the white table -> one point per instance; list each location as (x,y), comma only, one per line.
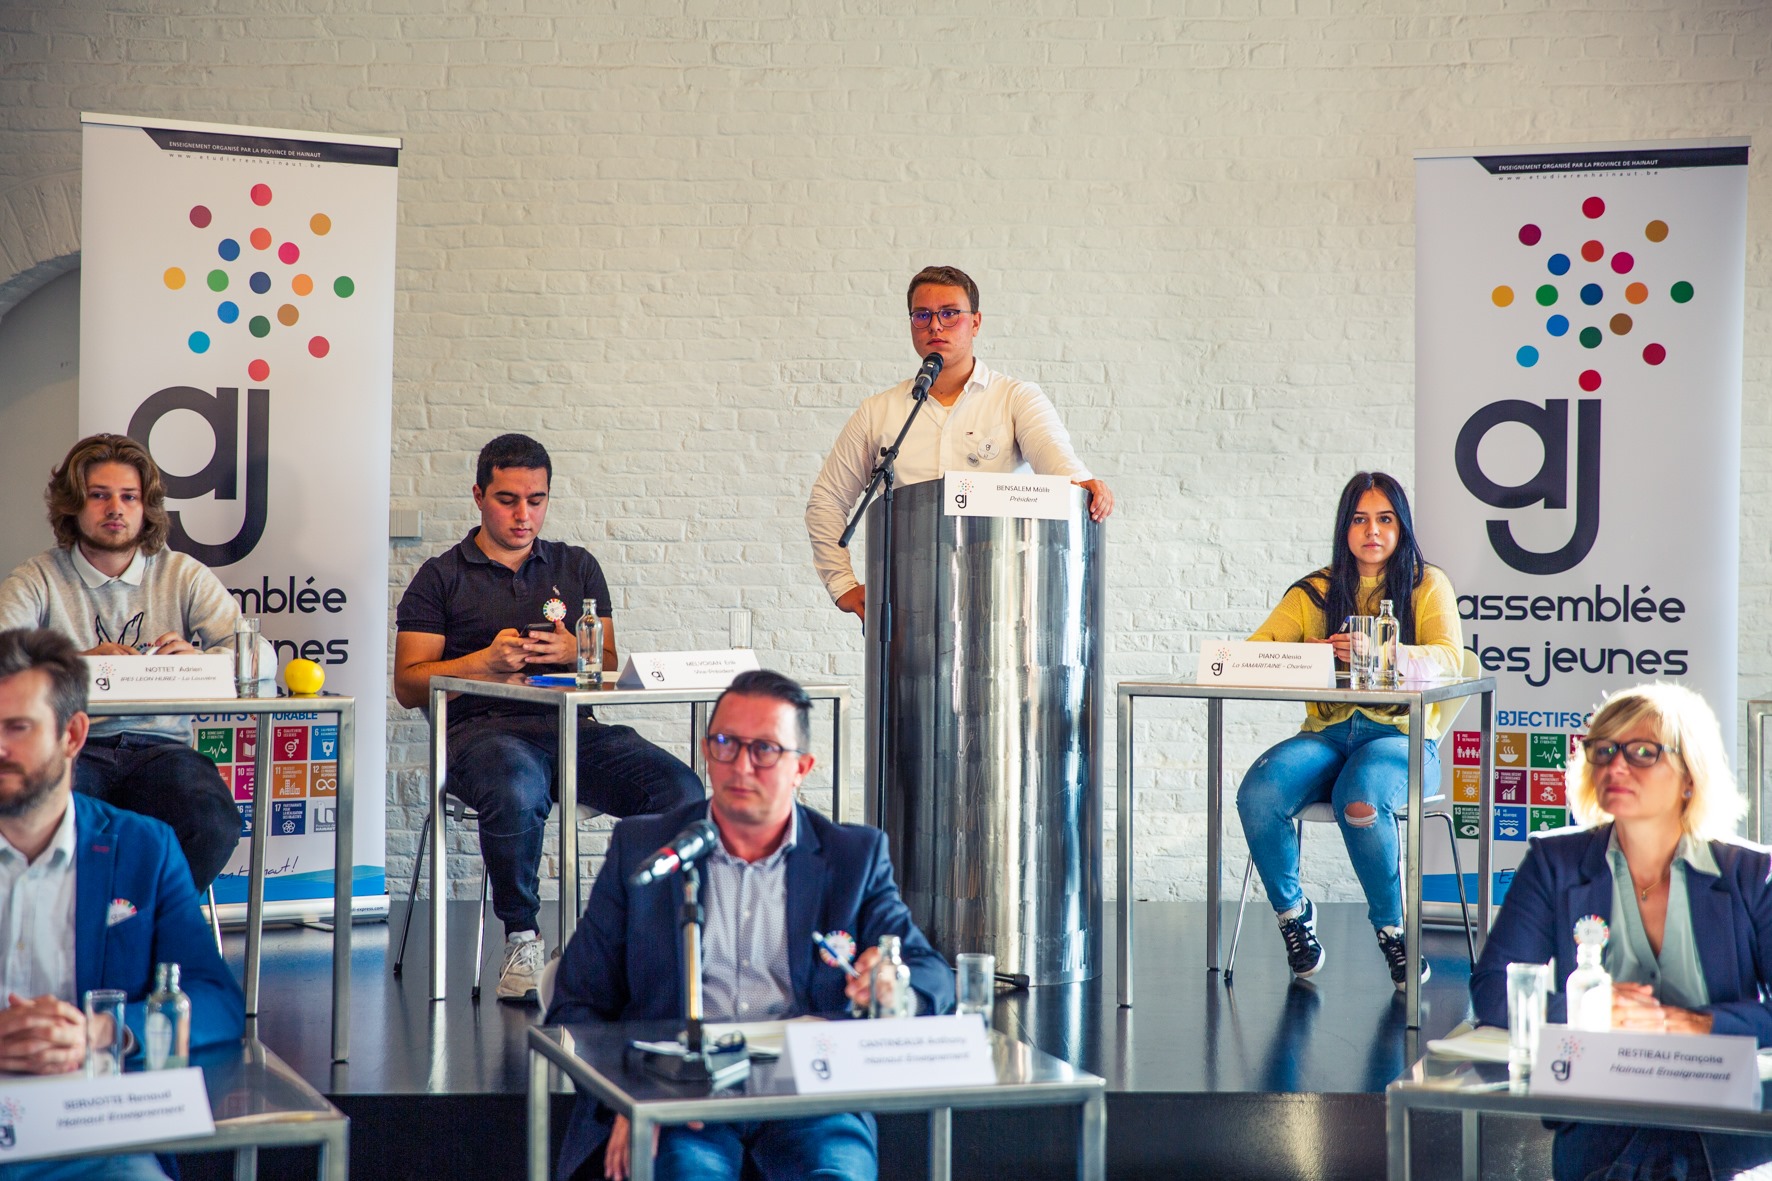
(1472,1089)
(343,839)
(594,1058)
(1413,697)
(567,701)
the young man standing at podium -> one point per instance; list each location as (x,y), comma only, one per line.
(504,602)
(778,873)
(974,420)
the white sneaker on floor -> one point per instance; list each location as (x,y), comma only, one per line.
(519,980)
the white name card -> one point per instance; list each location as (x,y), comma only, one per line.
(685,670)
(39,1116)
(900,1054)
(1267,666)
(1696,1070)
(160,678)
(1006,494)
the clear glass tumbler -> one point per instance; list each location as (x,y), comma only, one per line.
(1362,652)
(975,983)
(1527,987)
(246,656)
(105,1032)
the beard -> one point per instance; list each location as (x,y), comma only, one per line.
(36,784)
(111,545)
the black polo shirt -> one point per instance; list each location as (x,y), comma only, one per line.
(467,598)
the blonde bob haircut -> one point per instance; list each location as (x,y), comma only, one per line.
(1682,721)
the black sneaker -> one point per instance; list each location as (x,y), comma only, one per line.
(1303,953)
(1396,955)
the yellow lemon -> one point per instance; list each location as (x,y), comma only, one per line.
(303,677)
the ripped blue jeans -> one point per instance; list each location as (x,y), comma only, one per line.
(1358,761)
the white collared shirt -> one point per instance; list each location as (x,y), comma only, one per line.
(997,424)
(37,917)
(745,973)
(94,578)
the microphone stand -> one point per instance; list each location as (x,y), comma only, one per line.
(718,1066)
(883,479)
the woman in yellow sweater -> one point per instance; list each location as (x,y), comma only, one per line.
(1355,757)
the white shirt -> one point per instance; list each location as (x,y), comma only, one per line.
(997,424)
(37,917)
(744,956)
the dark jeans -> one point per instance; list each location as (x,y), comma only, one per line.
(1613,1152)
(503,768)
(825,1148)
(166,779)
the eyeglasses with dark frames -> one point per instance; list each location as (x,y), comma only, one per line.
(946,317)
(724,748)
(1637,754)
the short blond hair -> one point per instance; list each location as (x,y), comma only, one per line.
(1683,722)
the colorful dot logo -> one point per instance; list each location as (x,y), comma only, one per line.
(1590,272)
(265,295)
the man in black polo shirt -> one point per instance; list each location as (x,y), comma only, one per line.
(466,614)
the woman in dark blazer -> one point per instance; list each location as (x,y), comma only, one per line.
(1689,906)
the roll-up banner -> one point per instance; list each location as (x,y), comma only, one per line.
(1578,354)
(237,318)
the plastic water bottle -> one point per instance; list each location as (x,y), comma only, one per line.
(590,646)
(1589,988)
(1385,635)
(169,1022)
(891,983)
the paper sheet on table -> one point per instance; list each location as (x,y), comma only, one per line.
(764,1039)
(1488,1043)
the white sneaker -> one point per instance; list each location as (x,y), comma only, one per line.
(520,978)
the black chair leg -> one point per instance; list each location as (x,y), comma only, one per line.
(418,869)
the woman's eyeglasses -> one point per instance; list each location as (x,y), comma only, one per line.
(1637,754)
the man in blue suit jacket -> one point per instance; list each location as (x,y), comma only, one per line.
(95,896)
(780,873)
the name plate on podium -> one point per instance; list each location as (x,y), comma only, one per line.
(45,1115)
(160,678)
(1694,1070)
(1006,494)
(899,1054)
(1267,665)
(685,670)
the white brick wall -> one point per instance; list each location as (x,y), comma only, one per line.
(670,237)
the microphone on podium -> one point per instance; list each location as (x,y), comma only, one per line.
(926,376)
(687,847)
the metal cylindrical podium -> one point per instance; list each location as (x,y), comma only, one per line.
(993,798)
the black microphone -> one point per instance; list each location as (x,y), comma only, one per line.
(688,846)
(926,376)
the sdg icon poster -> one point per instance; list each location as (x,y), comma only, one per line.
(1578,361)
(303,797)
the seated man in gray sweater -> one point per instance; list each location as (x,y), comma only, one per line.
(112,586)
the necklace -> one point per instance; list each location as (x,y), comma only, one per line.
(1643,891)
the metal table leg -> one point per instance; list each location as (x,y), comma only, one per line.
(343,865)
(1485,817)
(261,840)
(1412,903)
(1214,826)
(1123,822)
(567,761)
(538,1117)
(941,1144)
(439,848)
(1396,1121)
(639,1132)
(1092,1152)
(698,728)
(1473,1148)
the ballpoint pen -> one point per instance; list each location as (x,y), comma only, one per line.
(835,949)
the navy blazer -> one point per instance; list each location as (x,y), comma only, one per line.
(135,906)
(1566,876)
(623,963)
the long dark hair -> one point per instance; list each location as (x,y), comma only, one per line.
(1336,587)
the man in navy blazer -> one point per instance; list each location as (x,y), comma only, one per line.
(95,896)
(780,873)
(1565,876)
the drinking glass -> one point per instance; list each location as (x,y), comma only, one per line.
(104,1057)
(738,626)
(246,656)
(1527,986)
(975,983)
(1362,652)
